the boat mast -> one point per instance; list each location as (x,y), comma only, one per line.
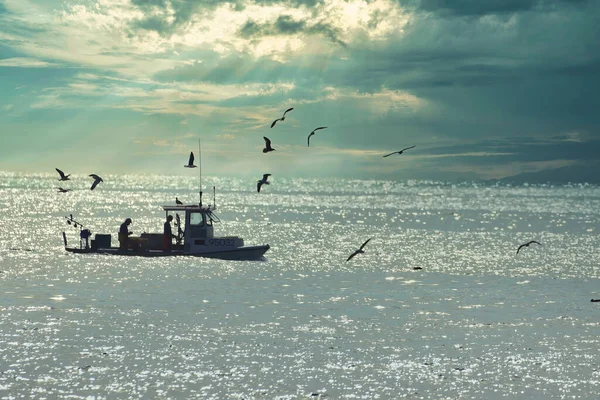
(200,171)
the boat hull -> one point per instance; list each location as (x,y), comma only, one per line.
(245,253)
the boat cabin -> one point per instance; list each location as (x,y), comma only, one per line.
(196,227)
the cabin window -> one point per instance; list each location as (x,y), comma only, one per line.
(196,219)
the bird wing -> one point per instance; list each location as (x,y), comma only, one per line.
(365,243)
(387,155)
(265,176)
(408,148)
(96,182)
(286,111)
(96,177)
(520,247)
(62,174)
(258,185)
(321,127)
(352,255)
(308,140)
(191,161)
(267,142)
(274,122)
(533,241)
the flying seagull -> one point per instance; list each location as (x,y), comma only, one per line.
(263,181)
(268,147)
(178,202)
(97,180)
(399,152)
(191,161)
(61,190)
(359,251)
(527,245)
(313,132)
(63,177)
(282,118)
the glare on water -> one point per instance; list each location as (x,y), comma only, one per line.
(476,321)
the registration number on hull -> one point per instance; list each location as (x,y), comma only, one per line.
(221,242)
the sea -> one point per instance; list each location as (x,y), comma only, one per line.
(439,305)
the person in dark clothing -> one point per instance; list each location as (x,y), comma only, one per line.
(168,235)
(124,234)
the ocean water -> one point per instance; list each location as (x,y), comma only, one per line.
(476,321)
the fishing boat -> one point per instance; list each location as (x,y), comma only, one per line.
(195,237)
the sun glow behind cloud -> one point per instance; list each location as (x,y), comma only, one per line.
(108,34)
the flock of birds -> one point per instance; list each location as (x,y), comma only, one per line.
(264,181)
(65,177)
(268,146)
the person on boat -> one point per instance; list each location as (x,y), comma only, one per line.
(168,235)
(124,233)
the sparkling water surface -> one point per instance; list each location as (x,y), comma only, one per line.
(476,321)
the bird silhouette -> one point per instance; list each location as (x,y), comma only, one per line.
(178,202)
(61,190)
(282,118)
(399,152)
(97,180)
(527,245)
(190,163)
(268,147)
(63,177)
(313,132)
(359,251)
(263,181)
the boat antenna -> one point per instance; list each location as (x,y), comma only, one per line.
(214,198)
(200,170)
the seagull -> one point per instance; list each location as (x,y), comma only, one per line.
(282,118)
(97,180)
(178,202)
(399,152)
(359,251)
(263,181)
(61,190)
(268,147)
(313,132)
(63,177)
(527,245)
(191,161)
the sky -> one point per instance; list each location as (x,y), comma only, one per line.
(483,89)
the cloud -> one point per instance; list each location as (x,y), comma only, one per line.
(474,84)
(287,25)
(49,101)
(487,7)
(25,62)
